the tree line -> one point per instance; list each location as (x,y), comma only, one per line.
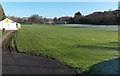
(97,18)
(33,19)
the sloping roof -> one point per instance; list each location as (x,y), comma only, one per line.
(7,20)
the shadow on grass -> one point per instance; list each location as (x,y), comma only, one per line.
(114,42)
(106,67)
(96,47)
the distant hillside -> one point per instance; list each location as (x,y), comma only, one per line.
(97,18)
(107,17)
(2,14)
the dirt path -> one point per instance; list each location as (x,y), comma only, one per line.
(18,63)
(6,40)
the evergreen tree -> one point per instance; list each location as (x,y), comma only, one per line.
(2,14)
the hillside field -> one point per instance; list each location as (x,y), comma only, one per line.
(80,49)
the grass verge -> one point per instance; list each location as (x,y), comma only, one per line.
(77,48)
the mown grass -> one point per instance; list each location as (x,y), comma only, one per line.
(77,48)
(0,33)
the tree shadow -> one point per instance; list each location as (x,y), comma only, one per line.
(97,47)
(106,67)
(113,43)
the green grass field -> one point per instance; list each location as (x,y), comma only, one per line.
(77,48)
(0,33)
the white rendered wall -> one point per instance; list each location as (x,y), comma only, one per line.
(8,26)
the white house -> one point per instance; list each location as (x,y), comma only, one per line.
(8,24)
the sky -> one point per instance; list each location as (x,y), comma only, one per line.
(55,9)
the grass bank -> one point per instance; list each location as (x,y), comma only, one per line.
(77,48)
